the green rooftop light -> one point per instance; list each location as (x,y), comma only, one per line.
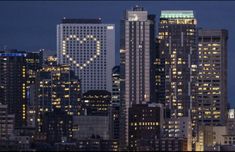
(177,14)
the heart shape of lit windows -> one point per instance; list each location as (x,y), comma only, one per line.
(81,41)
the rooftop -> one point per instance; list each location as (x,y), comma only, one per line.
(81,21)
(177,14)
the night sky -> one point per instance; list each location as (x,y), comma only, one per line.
(31,26)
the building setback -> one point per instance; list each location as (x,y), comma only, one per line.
(212,79)
(88,46)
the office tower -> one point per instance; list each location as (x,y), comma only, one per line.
(57,87)
(230,124)
(116,84)
(114,109)
(34,62)
(145,123)
(212,78)
(88,46)
(57,125)
(114,118)
(96,103)
(6,124)
(137,44)
(210,137)
(17,74)
(180,127)
(178,61)
(13,81)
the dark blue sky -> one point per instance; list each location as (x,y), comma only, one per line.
(31,25)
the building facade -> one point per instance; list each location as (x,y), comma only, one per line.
(57,87)
(13,81)
(115,108)
(180,127)
(137,44)
(145,124)
(116,84)
(96,103)
(57,126)
(86,127)
(88,46)
(178,60)
(171,144)
(212,78)
(6,124)
(114,118)
(230,124)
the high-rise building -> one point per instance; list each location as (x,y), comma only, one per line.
(57,125)
(212,79)
(145,124)
(57,87)
(88,46)
(137,44)
(34,62)
(230,124)
(114,118)
(6,124)
(96,103)
(210,136)
(13,81)
(116,84)
(17,73)
(114,109)
(180,127)
(177,61)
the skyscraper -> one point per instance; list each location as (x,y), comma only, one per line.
(212,78)
(178,61)
(34,62)
(13,77)
(96,102)
(116,84)
(57,125)
(88,46)
(137,44)
(57,87)
(114,110)
(6,124)
(145,123)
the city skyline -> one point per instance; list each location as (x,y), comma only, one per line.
(25,35)
(117,76)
